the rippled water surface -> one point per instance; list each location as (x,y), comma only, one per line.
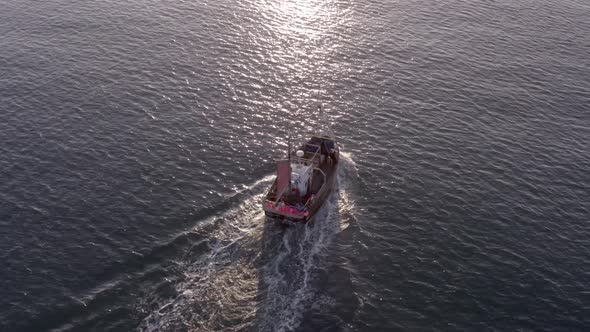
(137,138)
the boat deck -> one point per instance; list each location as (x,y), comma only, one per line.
(324,168)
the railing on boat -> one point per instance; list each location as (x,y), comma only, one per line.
(322,189)
(313,161)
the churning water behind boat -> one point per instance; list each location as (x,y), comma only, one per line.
(258,274)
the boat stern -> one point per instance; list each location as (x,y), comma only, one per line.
(283,211)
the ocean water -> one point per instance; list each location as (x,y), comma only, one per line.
(137,138)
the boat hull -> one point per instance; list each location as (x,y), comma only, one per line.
(330,170)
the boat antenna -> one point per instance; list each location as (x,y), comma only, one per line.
(324,122)
(289,158)
(289,147)
(321,117)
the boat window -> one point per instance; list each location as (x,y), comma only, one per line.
(329,144)
(311,147)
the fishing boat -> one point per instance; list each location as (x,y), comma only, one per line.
(304,181)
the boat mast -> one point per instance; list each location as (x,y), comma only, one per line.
(287,188)
(289,158)
(325,128)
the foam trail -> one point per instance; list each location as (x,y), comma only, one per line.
(219,286)
(254,274)
(288,278)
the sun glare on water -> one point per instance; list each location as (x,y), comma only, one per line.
(298,18)
(298,23)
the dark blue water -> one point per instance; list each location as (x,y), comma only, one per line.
(137,138)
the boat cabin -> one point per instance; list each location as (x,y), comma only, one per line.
(301,178)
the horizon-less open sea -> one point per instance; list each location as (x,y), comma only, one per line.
(137,138)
